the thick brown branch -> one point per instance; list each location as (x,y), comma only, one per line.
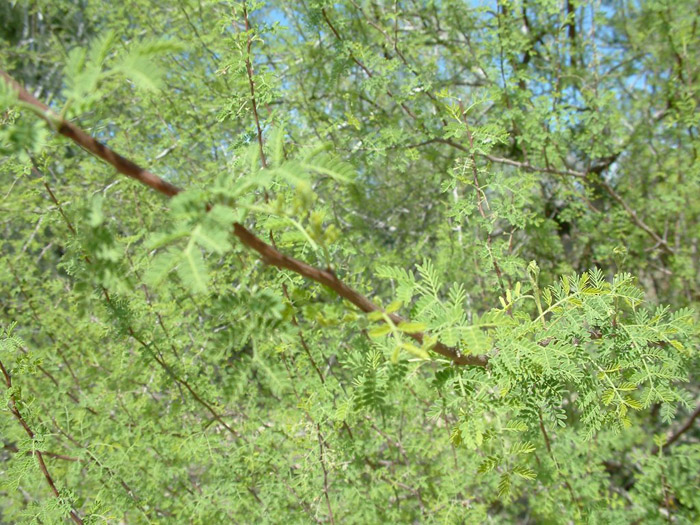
(269,254)
(274,258)
(85,141)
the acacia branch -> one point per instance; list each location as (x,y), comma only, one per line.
(269,254)
(672,438)
(585,175)
(638,221)
(362,66)
(251,83)
(160,360)
(14,409)
(14,448)
(90,144)
(660,241)
(325,473)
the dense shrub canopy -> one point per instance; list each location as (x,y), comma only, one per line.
(424,261)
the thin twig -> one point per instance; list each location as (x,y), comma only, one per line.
(38,454)
(548,445)
(481,197)
(14,448)
(682,430)
(251,83)
(325,472)
(362,66)
(159,359)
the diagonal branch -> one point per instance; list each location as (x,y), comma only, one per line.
(269,254)
(14,410)
(672,438)
(88,143)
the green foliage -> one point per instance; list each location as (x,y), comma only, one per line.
(516,181)
(87,70)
